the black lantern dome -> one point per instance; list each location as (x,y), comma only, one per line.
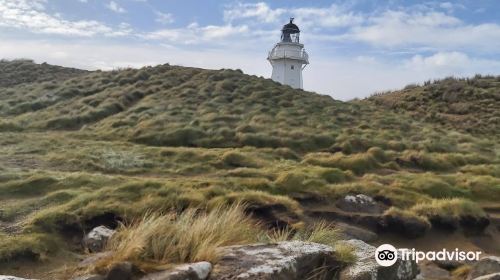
(290,32)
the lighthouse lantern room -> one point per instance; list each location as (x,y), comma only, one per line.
(288,57)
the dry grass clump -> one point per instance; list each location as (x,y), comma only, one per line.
(455,207)
(191,236)
(320,232)
(29,246)
(345,253)
(358,163)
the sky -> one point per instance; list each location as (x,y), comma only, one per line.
(356,48)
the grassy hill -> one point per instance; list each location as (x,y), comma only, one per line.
(22,71)
(98,147)
(466,104)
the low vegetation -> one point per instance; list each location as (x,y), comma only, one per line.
(126,145)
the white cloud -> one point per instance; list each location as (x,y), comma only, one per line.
(194,34)
(113,6)
(431,29)
(327,17)
(442,60)
(31,16)
(164,18)
(256,11)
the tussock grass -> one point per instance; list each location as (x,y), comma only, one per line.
(455,207)
(32,246)
(358,163)
(188,237)
(170,138)
(345,253)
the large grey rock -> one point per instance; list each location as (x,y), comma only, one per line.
(494,276)
(96,239)
(485,266)
(289,260)
(193,271)
(359,203)
(367,268)
(5,277)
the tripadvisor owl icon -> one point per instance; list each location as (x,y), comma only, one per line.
(386,255)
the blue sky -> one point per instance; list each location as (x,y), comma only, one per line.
(356,47)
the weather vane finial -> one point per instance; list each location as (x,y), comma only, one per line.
(291,19)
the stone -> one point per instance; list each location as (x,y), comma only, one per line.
(5,277)
(121,271)
(96,239)
(367,268)
(485,266)
(431,271)
(359,203)
(493,276)
(288,260)
(90,277)
(348,232)
(193,271)
(93,259)
(450,264)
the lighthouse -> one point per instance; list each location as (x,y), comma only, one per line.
(288,57)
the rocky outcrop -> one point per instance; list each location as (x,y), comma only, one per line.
(96,239)
(366,267)
(290,260)
(485,266)
(193,271)
(360,203)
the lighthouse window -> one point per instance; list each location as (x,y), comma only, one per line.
(293,67)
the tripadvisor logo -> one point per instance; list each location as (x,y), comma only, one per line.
(388,255)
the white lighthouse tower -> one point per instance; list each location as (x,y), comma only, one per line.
(288,57)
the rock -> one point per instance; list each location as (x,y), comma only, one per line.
(450,264)
(193,271)
(366,267)
(485,266)
(90,277)
(359,203)
(5,277)
(431,271)
(121,271)
(494,276)
(93,259)
(289,260)
(353,232)
(96,239)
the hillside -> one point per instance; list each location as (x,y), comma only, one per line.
(466,104)
(177,106)
(22,71)
(109,147)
